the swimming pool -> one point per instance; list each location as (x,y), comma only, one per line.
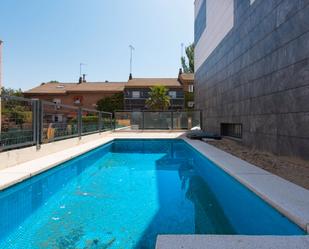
(124,193)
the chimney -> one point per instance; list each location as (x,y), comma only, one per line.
(80,80)
(180,73)
(130,77)
(84,78)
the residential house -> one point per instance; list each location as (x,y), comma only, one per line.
(84,94)
(87,94)
(136,91)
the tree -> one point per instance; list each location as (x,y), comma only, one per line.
(11,92)
(110,104)
(14,110)
(188,68)
(158,98)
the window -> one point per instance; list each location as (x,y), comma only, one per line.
(136,94)
(231,130)
(200,22)
(191,88)
(172,94)
(58,118)
(57,102)
(77,100)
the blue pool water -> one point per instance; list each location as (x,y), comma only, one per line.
(125,193)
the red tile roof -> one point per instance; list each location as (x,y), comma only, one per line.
(148,82)
(63,88)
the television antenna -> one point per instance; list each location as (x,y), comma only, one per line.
(131,57)
(80,68)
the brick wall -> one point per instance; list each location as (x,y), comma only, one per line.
(89,99)
(258,75)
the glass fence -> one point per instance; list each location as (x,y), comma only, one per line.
(157,120)
(26,122)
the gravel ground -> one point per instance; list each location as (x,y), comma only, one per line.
(291,169)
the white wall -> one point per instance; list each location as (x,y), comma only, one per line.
(0,65)
(0,78)
(219,21)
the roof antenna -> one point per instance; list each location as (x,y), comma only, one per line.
(80,68)
(182,45)
(131,60)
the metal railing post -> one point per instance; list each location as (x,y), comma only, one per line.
(115,121)
(172,120)
(100,122)
(112,126)
(79,122)
(143,120)
(36,119)
(201,119)
(40,115)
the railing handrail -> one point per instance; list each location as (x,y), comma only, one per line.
(18,98)
(44,102)
(51,103)
(146,110)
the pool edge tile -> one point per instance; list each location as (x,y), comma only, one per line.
(231,242)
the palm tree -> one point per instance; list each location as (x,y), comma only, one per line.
(158,98)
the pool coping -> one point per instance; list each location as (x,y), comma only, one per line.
(231,242)
(289,198)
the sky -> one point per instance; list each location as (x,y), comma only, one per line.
(47,40)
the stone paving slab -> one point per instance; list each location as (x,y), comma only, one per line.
(231,242)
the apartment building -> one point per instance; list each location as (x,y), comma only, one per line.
(252,72)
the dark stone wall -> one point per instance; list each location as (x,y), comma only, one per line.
(259,76)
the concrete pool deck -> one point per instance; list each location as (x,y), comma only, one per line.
(288,198)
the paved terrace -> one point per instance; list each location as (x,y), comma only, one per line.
(288,198)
